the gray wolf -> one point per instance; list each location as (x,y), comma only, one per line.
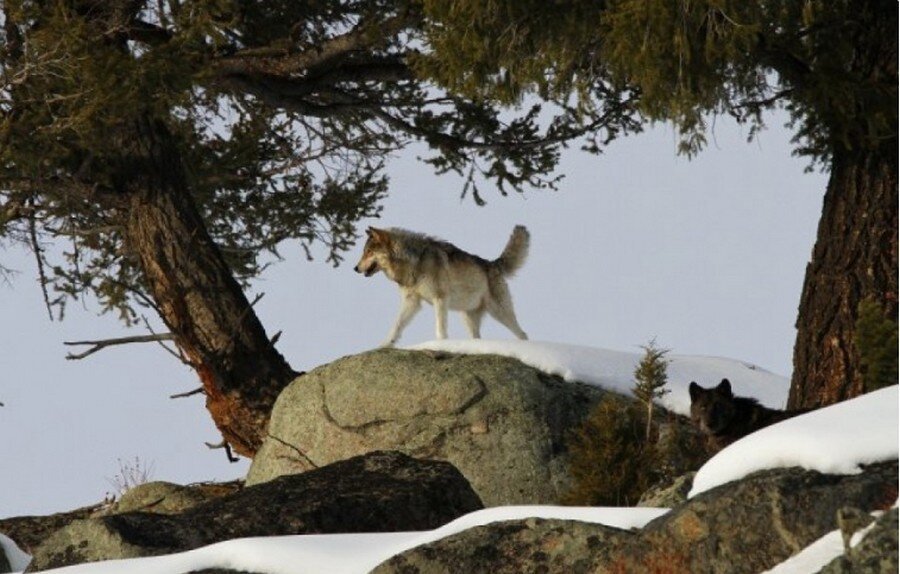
(438,272)
(725,418)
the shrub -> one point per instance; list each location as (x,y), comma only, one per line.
(610,461)
(876,342)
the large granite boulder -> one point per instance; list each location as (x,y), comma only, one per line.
(378,492)
(746,526)
(502,423)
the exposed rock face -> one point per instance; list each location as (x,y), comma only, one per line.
(877,553)
(750,525)
(29,531)
(742,527)
(162,497)
(513,547)
(668,495)
(379,492)
(501,423)
(168,498)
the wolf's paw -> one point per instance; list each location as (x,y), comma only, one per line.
(389,344)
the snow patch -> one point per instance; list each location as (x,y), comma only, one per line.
(614,370)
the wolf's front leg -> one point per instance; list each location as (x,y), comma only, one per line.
(409,306)
(440,318)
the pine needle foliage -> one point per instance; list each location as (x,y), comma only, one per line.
(687,59)
(284,114)
(876,341)
(650,379)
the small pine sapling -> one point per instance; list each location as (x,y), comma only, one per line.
(650,379)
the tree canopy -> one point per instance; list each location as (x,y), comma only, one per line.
(284,114)
(831,64)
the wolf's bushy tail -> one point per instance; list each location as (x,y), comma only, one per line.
(515,252)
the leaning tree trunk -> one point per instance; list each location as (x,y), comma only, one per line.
(196,294)
(855,258)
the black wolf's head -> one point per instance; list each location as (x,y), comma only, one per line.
(712,410)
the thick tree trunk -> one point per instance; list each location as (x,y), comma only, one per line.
(196,294)
(855,257)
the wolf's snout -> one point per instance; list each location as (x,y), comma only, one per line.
(357,269)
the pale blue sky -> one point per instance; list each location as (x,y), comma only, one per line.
(706,255)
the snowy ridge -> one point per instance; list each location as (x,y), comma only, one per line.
(614,370)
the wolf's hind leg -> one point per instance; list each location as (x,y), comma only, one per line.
(409,306)
(500,308)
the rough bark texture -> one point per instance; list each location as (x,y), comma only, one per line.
(197,296)
(855,257)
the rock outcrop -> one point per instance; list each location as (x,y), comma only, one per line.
(168,498)
(29,531)
(502,423)
(875,554)
(378,492)
(513,547)
(670,494)
(742,527)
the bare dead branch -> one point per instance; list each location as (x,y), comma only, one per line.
(38,251)
(103,343)
(196,391)
(174,352)
(224,444)
(279,61)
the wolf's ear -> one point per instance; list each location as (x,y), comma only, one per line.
(724,387)
(380,236)
(695,390)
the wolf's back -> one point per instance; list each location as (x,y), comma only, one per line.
(515,252)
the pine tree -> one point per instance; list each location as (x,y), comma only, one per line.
(170,148)
(650,379)
(831,64)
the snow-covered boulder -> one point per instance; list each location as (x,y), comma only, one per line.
(379,492)
(502,423)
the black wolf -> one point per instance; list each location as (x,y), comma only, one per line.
(725,418)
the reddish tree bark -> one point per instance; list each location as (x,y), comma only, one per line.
(855,257)
(196,294)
